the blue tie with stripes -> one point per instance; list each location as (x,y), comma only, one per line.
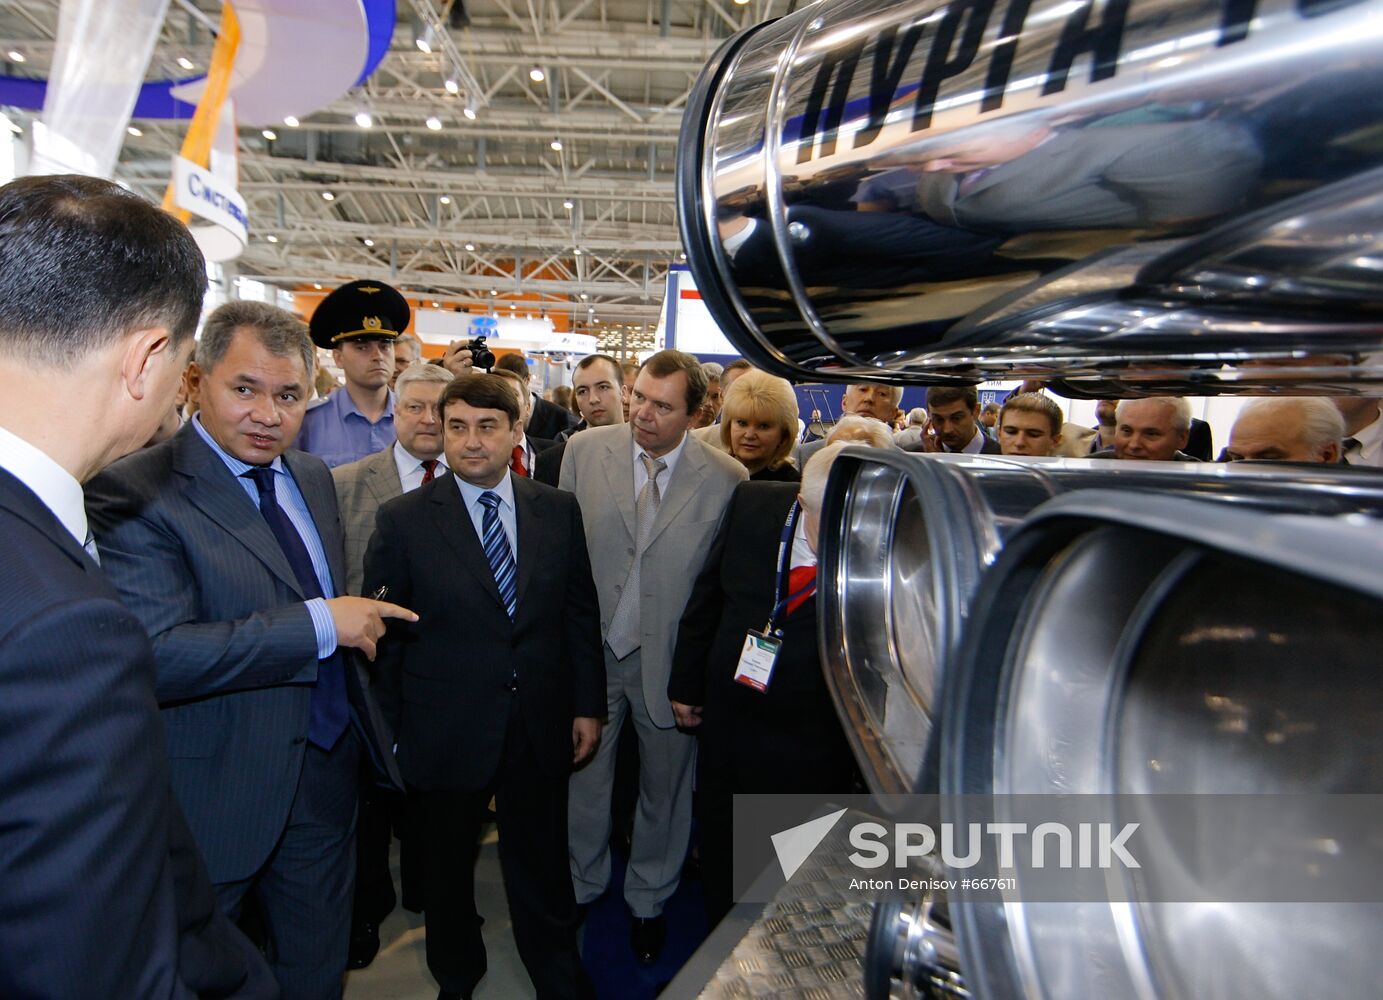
(501,559)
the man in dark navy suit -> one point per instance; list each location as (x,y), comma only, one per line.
(228,547)
(498,690)
(102,892)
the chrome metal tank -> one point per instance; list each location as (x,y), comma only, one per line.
(1124,197)
(1147,649)
(906,537)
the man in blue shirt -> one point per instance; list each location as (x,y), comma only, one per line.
(358,323)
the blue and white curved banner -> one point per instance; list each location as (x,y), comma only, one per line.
(215,200)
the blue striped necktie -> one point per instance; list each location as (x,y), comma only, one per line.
(501,559)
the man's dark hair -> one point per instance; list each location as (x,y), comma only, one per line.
(515,363)
(484,392)
(84,262)
(739,364)
(666,363)
(945,395)
(592,359)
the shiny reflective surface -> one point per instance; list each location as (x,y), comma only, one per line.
(912,951)
(1151,645)
(930,192)
(907,536)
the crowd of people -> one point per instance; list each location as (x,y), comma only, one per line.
(247,637)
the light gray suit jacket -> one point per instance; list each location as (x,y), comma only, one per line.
(361,489)
(599,468)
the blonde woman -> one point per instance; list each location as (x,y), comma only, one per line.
(758,426)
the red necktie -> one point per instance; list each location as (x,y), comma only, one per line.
(800,578)
(429,470)
(516,462)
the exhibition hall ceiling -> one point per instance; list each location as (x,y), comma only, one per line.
(557,194)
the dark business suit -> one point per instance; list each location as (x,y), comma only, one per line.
(549,464)
(484,704)
(102,892)
(236,652)
(548,420)
(783,740)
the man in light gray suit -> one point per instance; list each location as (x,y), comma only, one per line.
(651,498)
(362,488)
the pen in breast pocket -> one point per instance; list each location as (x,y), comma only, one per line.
(380,594)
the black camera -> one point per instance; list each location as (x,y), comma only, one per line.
(481,356)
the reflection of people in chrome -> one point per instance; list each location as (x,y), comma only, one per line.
(1019,177)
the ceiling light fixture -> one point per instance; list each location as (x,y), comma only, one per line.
(470,247)
(269,134)
(469,111)
(567,204)
(15,56)
(291,121)
(317,285)
(369,242)
(584,296)
(536,74)
(328,196)
(556,145)
(494,291)
(134,131)
(452,86)
(186,63)
(577,251)
(434,123)
(436,305)
(363,119)
(445,199)
(271,238)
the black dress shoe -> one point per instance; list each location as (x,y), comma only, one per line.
(647,938)
(449,995)
(364,946)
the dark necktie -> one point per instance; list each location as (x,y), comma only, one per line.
(516,462)
(330,710)
(497,552)
(429,470)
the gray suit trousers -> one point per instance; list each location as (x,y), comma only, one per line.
(662,822)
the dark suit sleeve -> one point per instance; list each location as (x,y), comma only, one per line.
(148,564)
(700,621)
(86,898)
(581,619)
(386,565)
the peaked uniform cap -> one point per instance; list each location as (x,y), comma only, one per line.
(360,309)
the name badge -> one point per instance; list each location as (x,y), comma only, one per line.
(757,658)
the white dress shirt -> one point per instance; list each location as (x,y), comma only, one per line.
(1369,450)
(664,477)
(411,469)
(50,482)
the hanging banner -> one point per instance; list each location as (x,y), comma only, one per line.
(214,199)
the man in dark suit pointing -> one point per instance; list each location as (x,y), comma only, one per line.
(228,547)
(497,690)
(102,892)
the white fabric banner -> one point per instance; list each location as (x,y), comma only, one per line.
(102,54)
